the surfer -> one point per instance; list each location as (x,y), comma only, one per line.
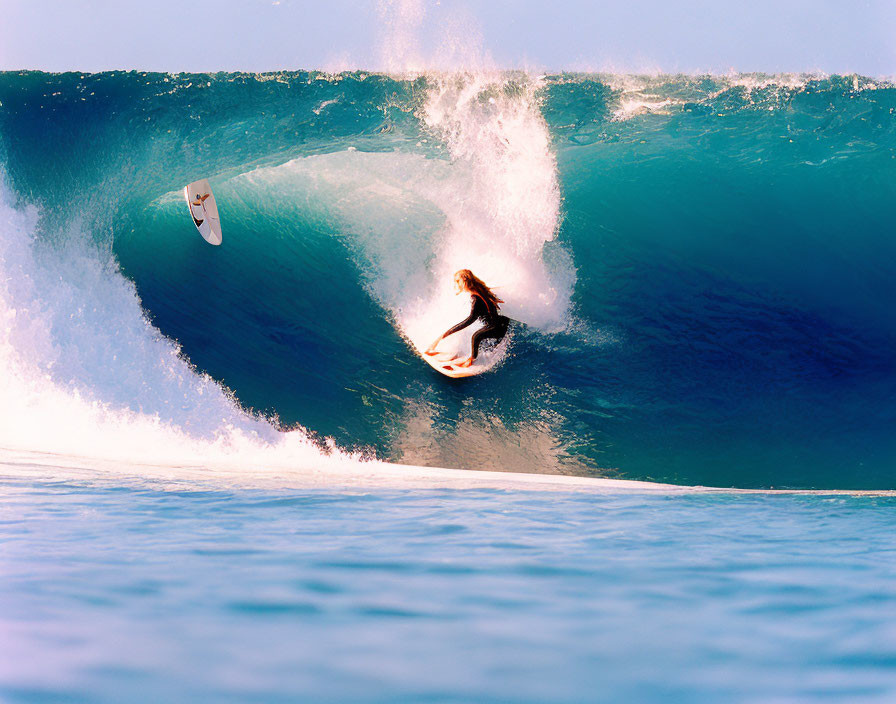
(484,307)
(198,203)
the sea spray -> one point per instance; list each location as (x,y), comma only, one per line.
(501,205)
(510,209)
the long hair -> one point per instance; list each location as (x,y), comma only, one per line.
(477,286)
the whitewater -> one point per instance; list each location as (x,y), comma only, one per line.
(226,474)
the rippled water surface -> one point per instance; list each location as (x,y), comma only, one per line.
(699,267)
(135,592)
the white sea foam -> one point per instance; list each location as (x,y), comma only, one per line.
(83,373)
(638,106)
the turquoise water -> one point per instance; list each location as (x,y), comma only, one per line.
(700,266)
(221,468)
(138,593)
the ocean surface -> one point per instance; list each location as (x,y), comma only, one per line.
(226,474)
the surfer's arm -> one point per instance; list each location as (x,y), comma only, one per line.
(474,313)
(460,326)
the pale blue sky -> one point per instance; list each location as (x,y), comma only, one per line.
(833,36)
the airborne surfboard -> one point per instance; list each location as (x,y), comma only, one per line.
(204,210)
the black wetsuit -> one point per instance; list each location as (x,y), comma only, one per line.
(495,324)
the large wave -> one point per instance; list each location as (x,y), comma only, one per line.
(699,267)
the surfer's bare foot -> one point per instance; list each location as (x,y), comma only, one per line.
(468,362)
(430,352)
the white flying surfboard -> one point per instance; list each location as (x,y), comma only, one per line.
(204,210)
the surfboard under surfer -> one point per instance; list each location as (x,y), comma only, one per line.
(198,203)
(485,307)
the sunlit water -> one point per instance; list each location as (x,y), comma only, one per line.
(132,591)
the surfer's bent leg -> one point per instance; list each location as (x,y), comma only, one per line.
(496,331)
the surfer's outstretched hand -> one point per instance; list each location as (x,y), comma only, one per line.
(431,350)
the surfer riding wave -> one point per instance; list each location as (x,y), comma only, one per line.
(485,307)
